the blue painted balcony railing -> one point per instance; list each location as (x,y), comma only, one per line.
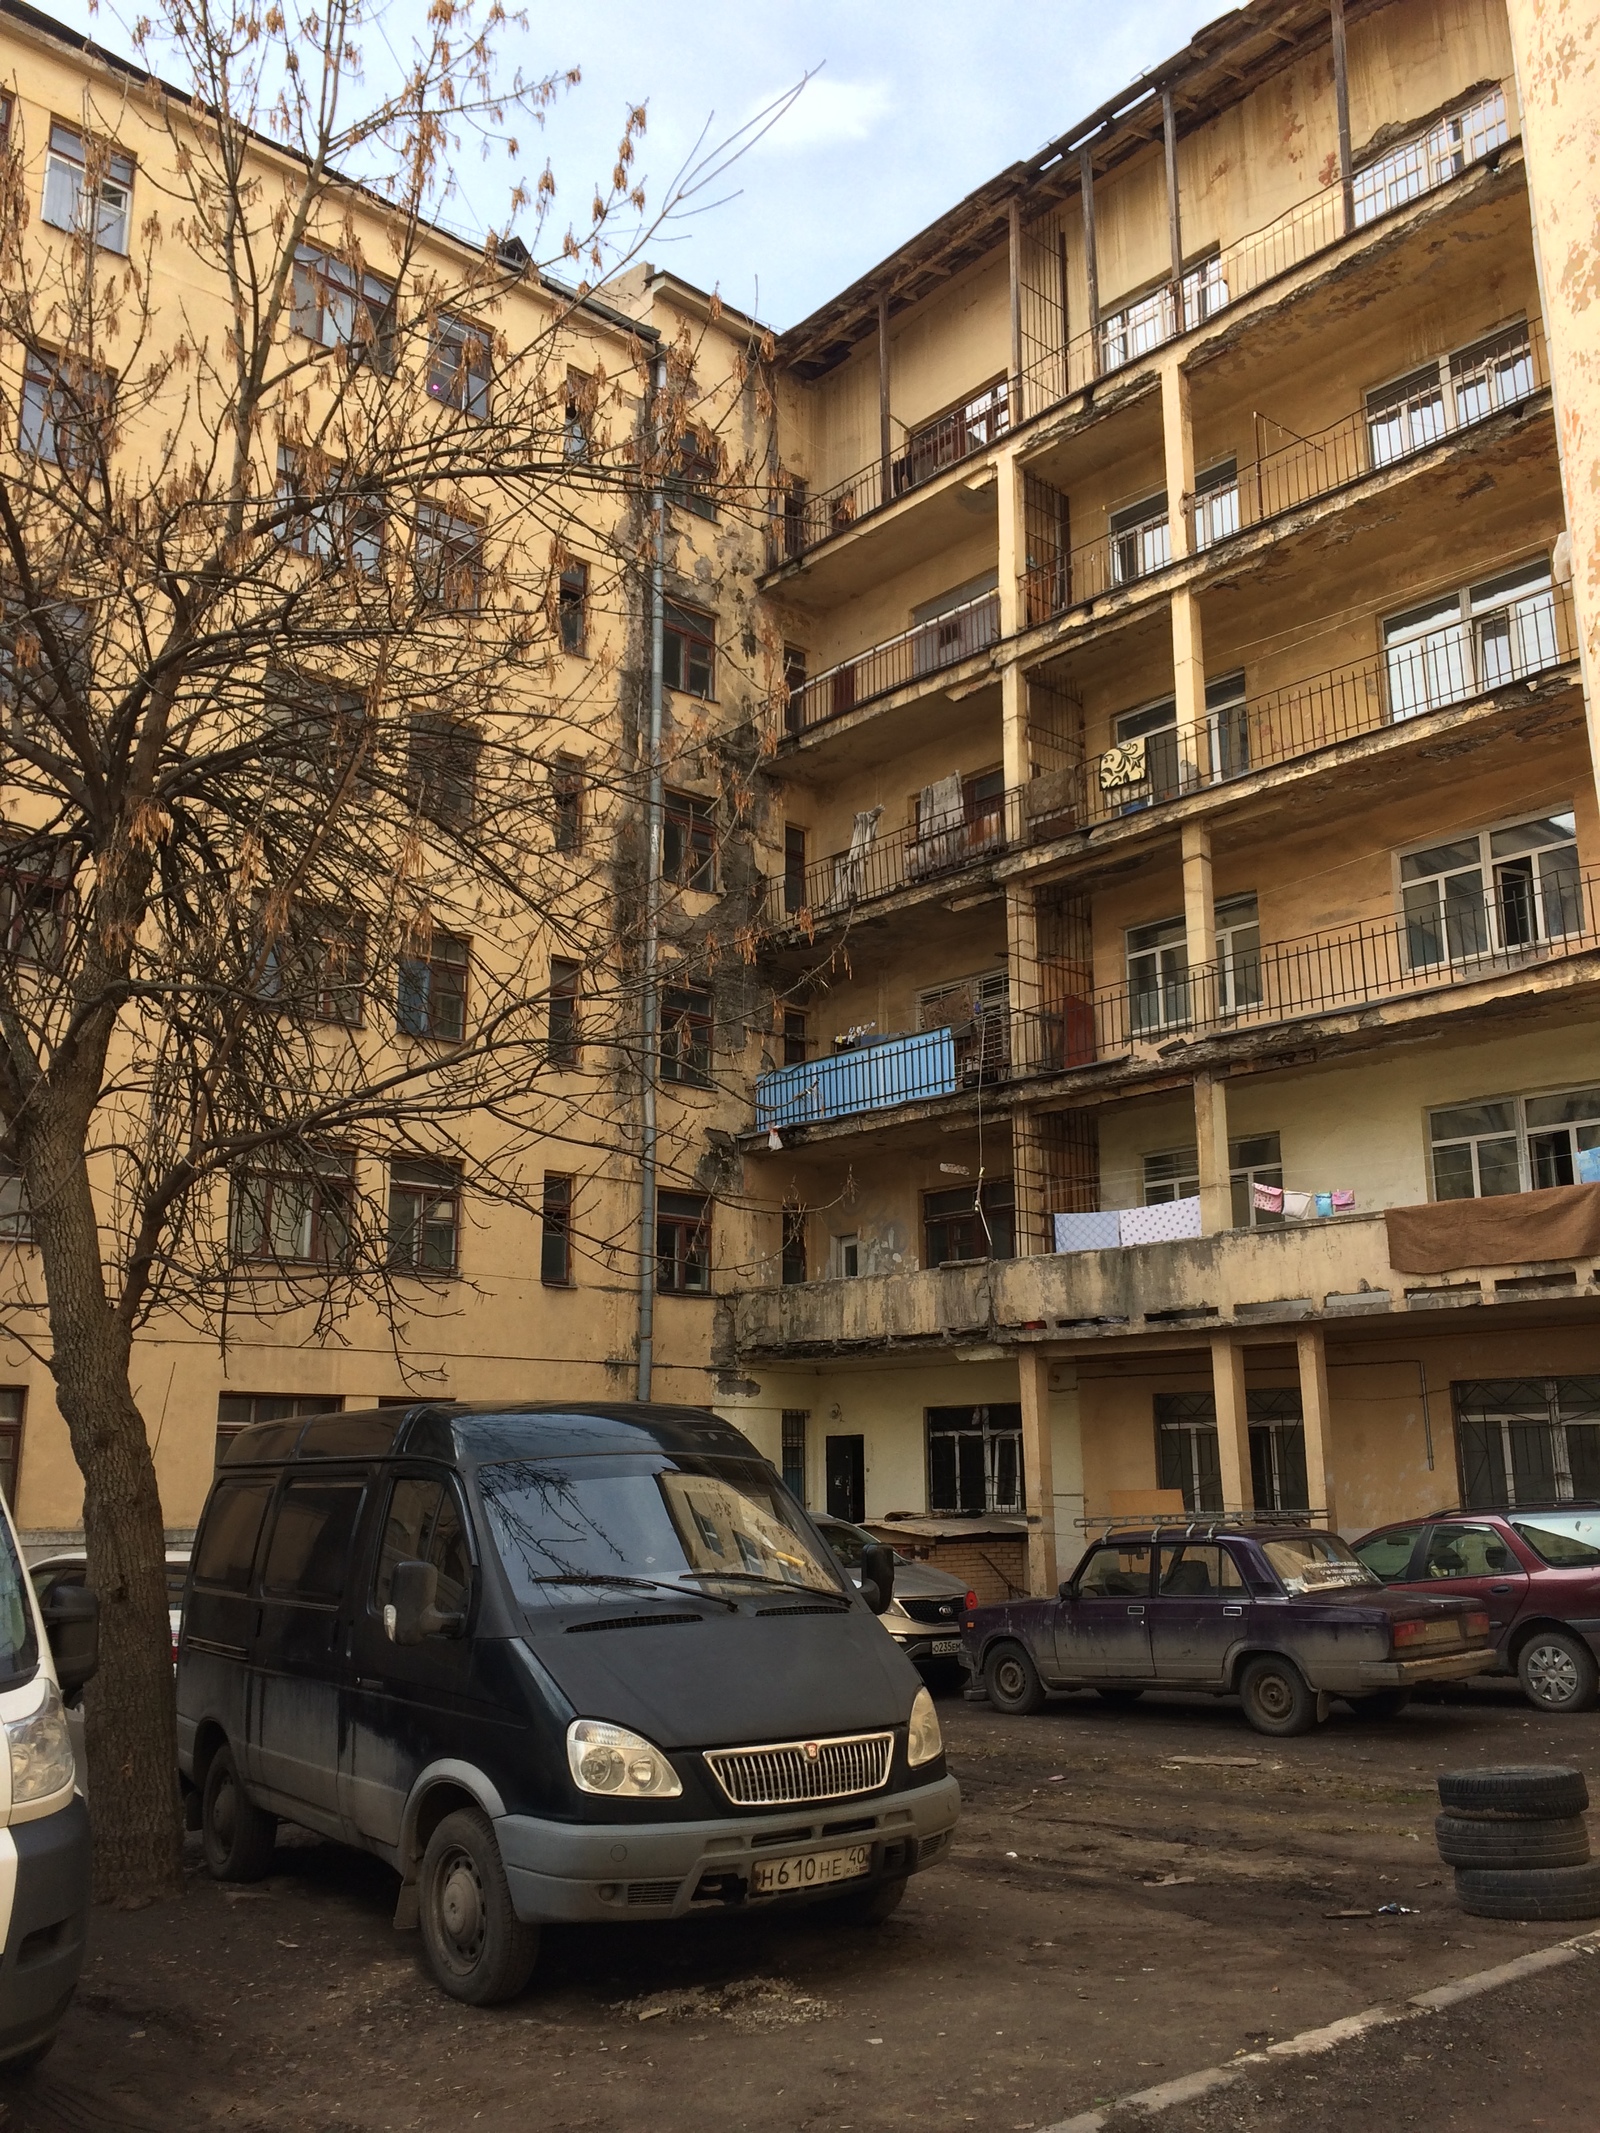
(873,1077)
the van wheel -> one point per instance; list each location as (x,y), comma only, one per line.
(1013,1681)
(478,1949)
(1557,1671)
(237,1836)
(21,2063)
(1275,1697)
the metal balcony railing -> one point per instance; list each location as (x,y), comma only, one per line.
(902,859)
(807,520)
(1419,166)
(914,654)
(1527,917)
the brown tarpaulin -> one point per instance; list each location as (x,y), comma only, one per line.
(1562,1223)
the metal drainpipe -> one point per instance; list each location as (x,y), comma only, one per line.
(650,1017)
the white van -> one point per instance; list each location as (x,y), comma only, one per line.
(44,1825)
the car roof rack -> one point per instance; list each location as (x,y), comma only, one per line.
(1203,1528)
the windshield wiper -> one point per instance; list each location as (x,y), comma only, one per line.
(754,1577)
(612,1577)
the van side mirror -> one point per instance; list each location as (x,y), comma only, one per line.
(411,1613)
(877,1577)
(72,1623)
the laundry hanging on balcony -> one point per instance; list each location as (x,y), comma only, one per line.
(1088,1232)
(941,826)
(850,872)
(1162,1223)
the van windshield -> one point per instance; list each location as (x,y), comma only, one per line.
(19,1647)
(646,1516)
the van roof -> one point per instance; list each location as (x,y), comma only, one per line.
(471,1435)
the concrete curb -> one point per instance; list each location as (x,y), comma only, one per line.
(1187,2087)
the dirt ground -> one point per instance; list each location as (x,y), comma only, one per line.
(1134,1893)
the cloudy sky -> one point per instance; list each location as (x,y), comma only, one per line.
(907,108)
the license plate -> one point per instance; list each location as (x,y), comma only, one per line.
(945,1647)
(810,1870)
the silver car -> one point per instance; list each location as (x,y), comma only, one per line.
(924,1617)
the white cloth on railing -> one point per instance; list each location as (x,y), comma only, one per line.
(850,872)
(1163,1223)
(1088,1233)
(941,824)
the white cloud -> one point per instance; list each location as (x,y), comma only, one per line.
(825,114)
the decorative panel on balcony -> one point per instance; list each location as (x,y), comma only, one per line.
(872,1078)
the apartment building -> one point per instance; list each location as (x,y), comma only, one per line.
(1184,930)
(537,1291)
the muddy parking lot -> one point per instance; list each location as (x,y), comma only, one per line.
(1134,1893)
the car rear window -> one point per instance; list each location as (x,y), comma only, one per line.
(1315,1562)
(1566,1540)
(227,1544)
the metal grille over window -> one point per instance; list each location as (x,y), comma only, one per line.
(796,1771)
(1528,1441)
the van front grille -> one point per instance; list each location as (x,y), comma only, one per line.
(793,1771)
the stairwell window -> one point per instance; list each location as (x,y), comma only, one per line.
(683,1243)
(1492,892)
(689,650)
(1514,1144)
(96,203)
(686,1036)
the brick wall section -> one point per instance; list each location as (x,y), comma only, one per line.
(993,1569)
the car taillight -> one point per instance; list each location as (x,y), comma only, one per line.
(1477,1625)
(1403,1633)
(972,1600)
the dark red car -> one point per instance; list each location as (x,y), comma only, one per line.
(1536,1571)
(1282,1617)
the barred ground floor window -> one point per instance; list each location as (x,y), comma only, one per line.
(1527,1440)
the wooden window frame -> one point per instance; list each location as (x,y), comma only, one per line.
(442,973)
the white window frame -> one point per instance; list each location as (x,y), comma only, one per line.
(1519,1129)
(1500,915)
(65,202)
(1422,405)
(1467,642)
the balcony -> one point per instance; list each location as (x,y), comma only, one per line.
(1137,328)
(1334,1271)
(1445,397)
(807,520)
(1537,914)
(913,656)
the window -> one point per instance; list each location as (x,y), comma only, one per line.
(338,306)
(565,1037)
(226,1549)
(1158,976)
(1238,934)
(1254,1161)
(35,907)
(793,1260)
(1467,1552)
(1527,1441)
(794,868)
(689,841)
(1416,167)
(796,1044)
(1406,414)
(309,1551)
(12,1398)
(296,1213)
(683,1244)
(458,367)
(566,803)
(1493,373)
(689,650)
(794,686)
(318,969)
(448,560)
(686,1035)
(975,1459)
(97,207)
(555,1242)
(578,414)
(1147,321)
(693,483)
(307,527)
(432,998)
(317,731)
(1141,540)
(1117,1570)
(423,1525)
(237,1410)
(572,609)
(442,768)
(1186,1451)
(1491,892)
(1197,1570)
(424,1216)
(1388,1555)
(1512,1144)
(971,1222)
(66,410)
(1171,1174)
(5,122)
(844,1258)
(16,1216)
(1469,643)
(793,1451)
(1216,503)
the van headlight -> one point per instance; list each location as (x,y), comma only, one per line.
(41,1751)
(923,1739)
(620,1764)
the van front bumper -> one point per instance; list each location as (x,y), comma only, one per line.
(45,1934)
(595,1871)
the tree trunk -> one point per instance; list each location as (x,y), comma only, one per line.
(130,1709)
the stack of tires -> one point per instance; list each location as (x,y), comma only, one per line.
(1518,1842)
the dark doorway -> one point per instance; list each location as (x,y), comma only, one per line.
(847,1478)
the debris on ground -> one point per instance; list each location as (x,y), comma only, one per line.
(745,2003)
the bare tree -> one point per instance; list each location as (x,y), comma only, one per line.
(286,555)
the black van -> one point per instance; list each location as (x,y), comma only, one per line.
(553,1663)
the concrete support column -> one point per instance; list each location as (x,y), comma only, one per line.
(885,440)
(1091,265)
(1211,1138)
(1557,54)
(1177,440)
(1189,691)
(1199,923)
(1038,1470)
(1011,554)
(1233,1427)
(1312,1351)
(1014,261)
